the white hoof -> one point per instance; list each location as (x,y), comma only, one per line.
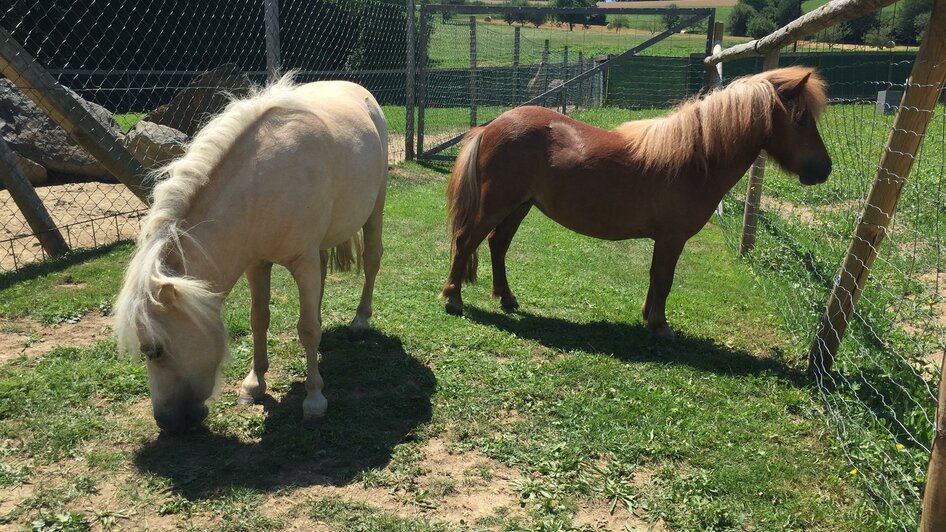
(314,406)
(252,389)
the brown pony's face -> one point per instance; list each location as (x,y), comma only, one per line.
(795,143)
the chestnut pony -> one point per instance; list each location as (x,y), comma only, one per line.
(659,179)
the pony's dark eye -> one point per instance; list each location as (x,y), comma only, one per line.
(152,352)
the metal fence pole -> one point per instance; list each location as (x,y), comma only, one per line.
(565,77)
(472,71)
(409,85)
(422,89)
(515,65)
(271,21)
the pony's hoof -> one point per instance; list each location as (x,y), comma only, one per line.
(245,400)
(314,407)
(453,306)
(358,329)
(664,332)
(509,303)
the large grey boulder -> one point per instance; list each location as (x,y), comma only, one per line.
(203,98)
(153,144)
(32,134)
(31,169)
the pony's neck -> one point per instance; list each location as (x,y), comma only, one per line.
(726,168)
(213,249)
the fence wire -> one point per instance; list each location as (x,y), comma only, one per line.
(152,73)
(881,393)
(476,72)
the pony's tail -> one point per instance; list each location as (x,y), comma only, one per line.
(342,257)
(463,197)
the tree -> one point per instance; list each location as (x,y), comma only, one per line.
(510,18)
(619,21)
(920,23)
(831,35)
(787,11)
(739,18)
(760,25)
(881,37)
(670,19)
(568,18)
(536,19)
(855,31)
(904,29)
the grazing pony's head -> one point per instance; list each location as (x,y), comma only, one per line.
(795,98)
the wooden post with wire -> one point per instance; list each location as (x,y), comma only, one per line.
(916,109)
(750,217)
(473,122)
(934,496)
(35,83)
(26,199)
(409,74)
(271,27)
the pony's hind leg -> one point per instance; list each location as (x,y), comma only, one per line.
(373,249)
(254,386)
(308,275)
(463,267)
(499,241)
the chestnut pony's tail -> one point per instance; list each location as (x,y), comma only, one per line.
(463,197)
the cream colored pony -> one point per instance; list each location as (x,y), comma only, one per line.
(277,178)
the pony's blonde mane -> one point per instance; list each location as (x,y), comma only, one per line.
(712,127)
(178,184)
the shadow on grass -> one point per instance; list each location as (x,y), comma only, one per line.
(634,343)
(39,269)
(378,395)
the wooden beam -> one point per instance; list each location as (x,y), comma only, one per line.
(26,199)
(750,217)
(934,496)
(834,12)
(38,85)
(409,85)
(271,25)
(916,109)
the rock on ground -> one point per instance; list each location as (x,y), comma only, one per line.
(153,144)
(205,97)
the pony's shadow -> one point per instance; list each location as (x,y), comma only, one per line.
(633,342)
(378,395)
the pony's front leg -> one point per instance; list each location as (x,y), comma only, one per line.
(308,276)
(666,254)
(254,385)
(373,249)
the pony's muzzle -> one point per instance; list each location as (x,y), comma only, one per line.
(815,170)
(182,420)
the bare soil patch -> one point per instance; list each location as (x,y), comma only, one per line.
(87,215)
(32,338)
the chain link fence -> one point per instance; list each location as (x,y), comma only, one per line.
(151,73)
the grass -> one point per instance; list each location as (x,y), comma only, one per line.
(571,393)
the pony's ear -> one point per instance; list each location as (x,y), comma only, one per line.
(166,295)
(792,88)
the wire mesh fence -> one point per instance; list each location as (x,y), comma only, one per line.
(152,73)
(881,393)
(484,61)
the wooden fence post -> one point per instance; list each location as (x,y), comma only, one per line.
(909,127)
(271,24)
(38,85)
(544,67)
(409,85)
(934,495)
(709,80)
(756,176)
(472,71)
(581,84)
(422,89)
(21,190)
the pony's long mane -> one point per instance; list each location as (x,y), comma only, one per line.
(712,127)
(178,184)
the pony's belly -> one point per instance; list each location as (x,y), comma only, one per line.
(596,226)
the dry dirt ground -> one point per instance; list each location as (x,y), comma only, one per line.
(31,338)
(87,214)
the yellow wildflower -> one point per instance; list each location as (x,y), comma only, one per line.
(854,471)
(899,446)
